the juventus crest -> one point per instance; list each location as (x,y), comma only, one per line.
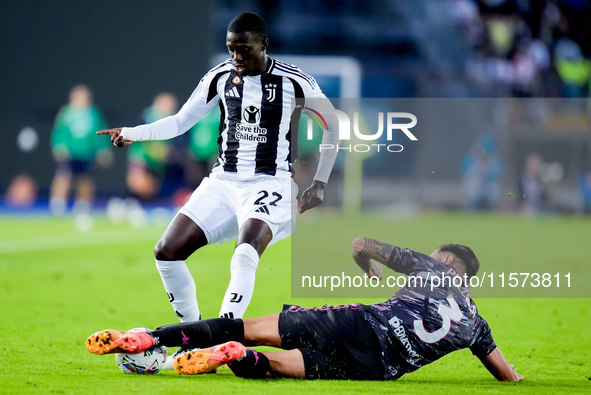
(270,89)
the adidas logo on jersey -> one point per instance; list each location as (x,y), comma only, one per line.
(233,93)
(262,209)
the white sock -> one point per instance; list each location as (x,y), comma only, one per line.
(180,287)
(243,269)
(57,206)
(81,207)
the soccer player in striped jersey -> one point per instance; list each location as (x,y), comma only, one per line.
(250,195)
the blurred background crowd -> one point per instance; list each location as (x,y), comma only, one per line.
(520,69)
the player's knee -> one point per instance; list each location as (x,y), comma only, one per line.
(165,252)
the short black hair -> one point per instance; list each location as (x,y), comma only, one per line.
(465,255)
(248,22)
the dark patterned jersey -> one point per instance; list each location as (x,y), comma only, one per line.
(424,322)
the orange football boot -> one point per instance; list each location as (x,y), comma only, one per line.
(111,341)
(209,359)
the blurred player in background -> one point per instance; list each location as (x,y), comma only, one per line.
(147,159)
(250,195)
(585,190)
(481,174)
(75,149)
(383,341)
(532,187)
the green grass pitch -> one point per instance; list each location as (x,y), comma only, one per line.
(58,286)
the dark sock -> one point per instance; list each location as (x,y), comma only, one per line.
(200,334)
(253,365)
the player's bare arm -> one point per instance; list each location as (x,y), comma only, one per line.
(498,366)
(365,250)
(312,196)
(116,137)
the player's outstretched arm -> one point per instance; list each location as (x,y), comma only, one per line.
(312,196)
(365,250)
(116,137)
(498,366)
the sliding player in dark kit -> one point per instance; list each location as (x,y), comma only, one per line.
(382,341)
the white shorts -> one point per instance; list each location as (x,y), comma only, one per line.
(221,206)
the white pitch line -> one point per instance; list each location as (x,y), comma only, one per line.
(76,240)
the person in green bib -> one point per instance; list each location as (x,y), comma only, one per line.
(147,159)
(75,150)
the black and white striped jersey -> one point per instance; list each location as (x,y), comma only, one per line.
(259,117)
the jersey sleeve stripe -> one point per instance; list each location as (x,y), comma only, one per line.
(212,92)
(297,73)
(289,66)
(292,135)
(219,66)
(295,69)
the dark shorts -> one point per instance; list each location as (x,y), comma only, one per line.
(74,166)
(336,342)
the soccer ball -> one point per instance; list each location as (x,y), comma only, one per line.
(147,362)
